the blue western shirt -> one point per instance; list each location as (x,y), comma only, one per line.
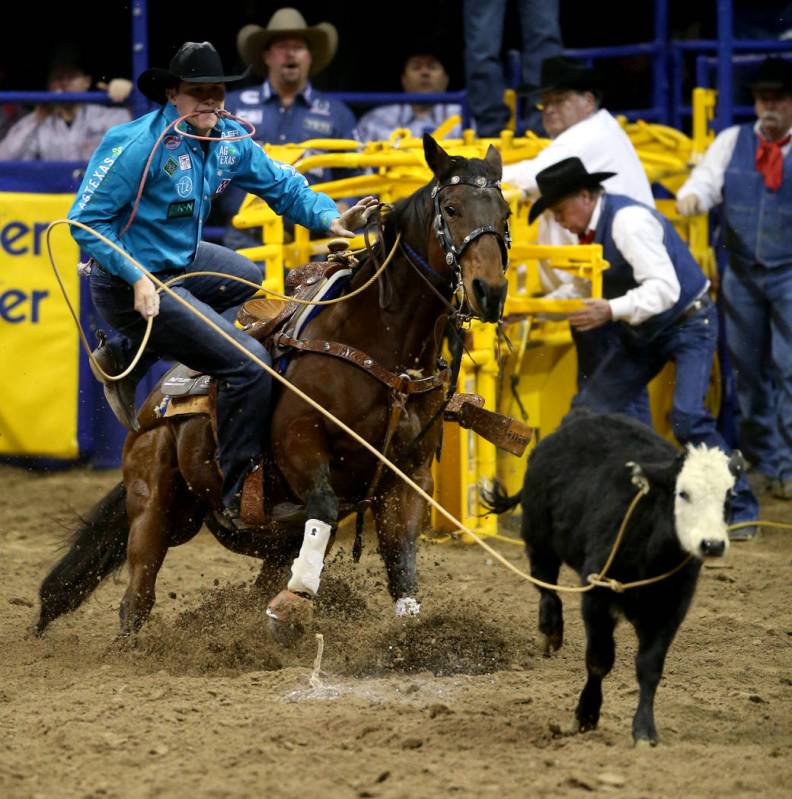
(181,181)
(758,225)
(379,123)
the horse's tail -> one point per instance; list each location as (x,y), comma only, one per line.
(98,548)
(496,500)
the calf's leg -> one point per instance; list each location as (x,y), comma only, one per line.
(545,566)
(600,654)
(653,642)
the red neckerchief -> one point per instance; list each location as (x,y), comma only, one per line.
(770,161)
(587,237)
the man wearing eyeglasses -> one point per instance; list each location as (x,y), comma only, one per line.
(570,97)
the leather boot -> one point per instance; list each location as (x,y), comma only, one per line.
(120,394)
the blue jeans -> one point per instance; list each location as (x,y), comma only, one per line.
(592,347)
(632,363)
(757,306)
(483,22)
(243,388)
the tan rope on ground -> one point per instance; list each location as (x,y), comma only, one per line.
(349,431)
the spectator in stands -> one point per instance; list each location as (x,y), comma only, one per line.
(285,107)
(9,112)
(748,168)
(423,73)
(65,131)
(484,21)
(570,96)
(657,294)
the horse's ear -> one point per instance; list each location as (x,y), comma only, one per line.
(438,159)
(494,160)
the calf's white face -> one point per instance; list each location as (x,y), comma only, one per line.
(703,486)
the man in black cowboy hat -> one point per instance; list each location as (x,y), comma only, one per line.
(570,96)
(748,168)
(285,107)
(657,294)
(165,236)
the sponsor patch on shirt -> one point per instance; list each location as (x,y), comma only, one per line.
(318,125)
(184,186)
(226,155)
(170,166)
(92,181)
(222,185)
(184,162)
(181,208)
(172,142)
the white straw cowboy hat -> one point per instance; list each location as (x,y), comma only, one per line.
(322,39)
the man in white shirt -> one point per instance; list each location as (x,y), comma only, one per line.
(570,99)
(423,73)
(748,168)
(657,294)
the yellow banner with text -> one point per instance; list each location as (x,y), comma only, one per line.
(39,347)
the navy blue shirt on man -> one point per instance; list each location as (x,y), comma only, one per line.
(311,116)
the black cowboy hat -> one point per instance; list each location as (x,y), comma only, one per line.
(562,72)
(562,179)
(196,62)
(773,73)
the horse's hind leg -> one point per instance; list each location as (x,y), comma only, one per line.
(399,514)
(161,512)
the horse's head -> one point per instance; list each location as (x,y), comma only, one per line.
(471,224)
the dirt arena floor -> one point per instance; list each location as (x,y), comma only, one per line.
(459,703)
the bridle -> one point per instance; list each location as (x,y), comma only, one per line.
(441,284)
(451,252)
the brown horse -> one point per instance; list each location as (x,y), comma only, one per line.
(454,239)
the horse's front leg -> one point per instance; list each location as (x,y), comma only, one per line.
(291,611)
(400,513)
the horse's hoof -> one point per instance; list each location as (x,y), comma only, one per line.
(645,743)
(407,606)
(288,617)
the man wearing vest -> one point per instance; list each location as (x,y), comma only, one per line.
(749,169)
(657,293)
(571,96)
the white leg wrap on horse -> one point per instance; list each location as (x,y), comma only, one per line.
(407,606)
(307,569)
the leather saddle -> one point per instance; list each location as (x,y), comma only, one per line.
(263,317)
